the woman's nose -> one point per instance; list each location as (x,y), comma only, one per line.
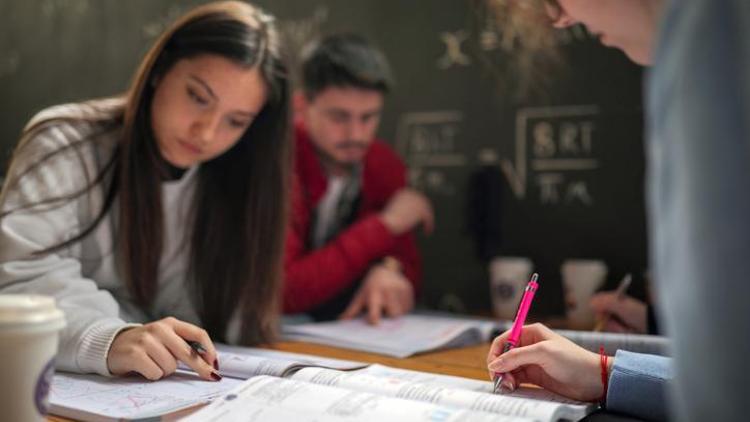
(205,128)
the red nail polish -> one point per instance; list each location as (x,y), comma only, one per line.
(216,364)
(215,376)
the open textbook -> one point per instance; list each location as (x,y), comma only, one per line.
(379,393)
(95,398)
(412,334)
(399,337)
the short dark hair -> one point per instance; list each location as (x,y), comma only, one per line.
(344,60)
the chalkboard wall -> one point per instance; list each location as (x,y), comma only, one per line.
(555,176)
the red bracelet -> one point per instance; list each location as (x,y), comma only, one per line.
(605,379)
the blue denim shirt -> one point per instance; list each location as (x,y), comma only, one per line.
(698,118)
(638,385)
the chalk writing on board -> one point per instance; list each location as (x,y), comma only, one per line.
(488,38)
(428,142)
(453,55)
(554,149)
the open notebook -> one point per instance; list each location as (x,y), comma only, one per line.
(398,337)
(379,393)
(412,334)
(95,398)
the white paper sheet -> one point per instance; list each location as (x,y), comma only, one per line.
(270,399)
(398,337)
(92,397)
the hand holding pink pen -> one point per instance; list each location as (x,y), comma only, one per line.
(515,332)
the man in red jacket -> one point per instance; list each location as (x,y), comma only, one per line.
(351,247)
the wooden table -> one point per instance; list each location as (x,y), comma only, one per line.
(468,362)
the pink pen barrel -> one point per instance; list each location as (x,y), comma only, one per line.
(515,331)
(523,310)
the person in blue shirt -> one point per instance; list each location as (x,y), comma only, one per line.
(698,147)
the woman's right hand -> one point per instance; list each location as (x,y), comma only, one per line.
(153,350)
(548,360)
(630,314)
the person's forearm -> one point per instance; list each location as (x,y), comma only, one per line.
(638,383)
(316,276)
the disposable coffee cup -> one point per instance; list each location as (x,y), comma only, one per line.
(29,331)
(508,278)
(581,278)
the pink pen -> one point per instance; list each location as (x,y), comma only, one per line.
(515,331)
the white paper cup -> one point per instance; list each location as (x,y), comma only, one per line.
(581,278)
(508,278)
(29,329)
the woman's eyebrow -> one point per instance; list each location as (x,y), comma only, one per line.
(204,84)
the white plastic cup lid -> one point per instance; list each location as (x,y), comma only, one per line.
(19,309)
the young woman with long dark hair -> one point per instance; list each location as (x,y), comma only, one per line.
(161,211)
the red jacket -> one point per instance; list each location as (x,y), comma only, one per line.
(314,276)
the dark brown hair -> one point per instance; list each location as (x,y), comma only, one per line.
(344,60)
(241,197)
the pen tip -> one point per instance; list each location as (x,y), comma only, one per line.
(535,277)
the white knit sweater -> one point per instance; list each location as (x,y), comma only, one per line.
(84,278)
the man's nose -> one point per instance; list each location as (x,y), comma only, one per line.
(357,131)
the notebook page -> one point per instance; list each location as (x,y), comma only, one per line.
(93,397)
(463,383)
(285,358)
(277,399)
(427,377)
(438,394)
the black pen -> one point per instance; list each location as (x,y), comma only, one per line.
(202,351)
(197,347)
